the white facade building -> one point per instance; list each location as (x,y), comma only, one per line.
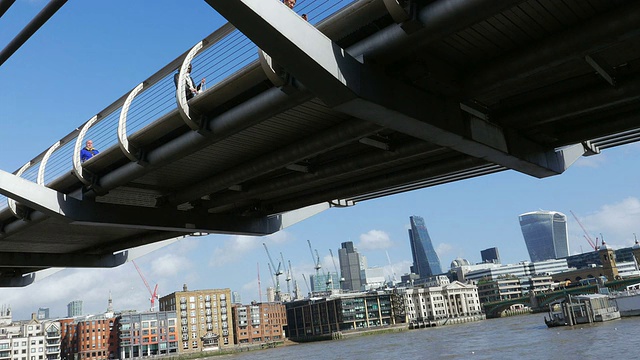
(520,270)
(441,302)
(374,278)
(28,340)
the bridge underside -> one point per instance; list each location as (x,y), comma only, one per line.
(366,105)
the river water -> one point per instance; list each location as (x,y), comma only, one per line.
(517,337)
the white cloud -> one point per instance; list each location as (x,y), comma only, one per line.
(373,240)
(235,247)
(444,249)
(92,286)
(616,222)
(170,264)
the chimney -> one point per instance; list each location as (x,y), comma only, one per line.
(184,287)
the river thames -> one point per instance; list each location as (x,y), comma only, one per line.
(517,337)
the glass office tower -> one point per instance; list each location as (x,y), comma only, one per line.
(545,233)
(490,255)
(350,267)
(425,260)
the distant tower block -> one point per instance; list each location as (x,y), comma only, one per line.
(545,233)
(490,255)
(350,267)
(426,262)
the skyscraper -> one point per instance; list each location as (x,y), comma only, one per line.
(43,313)
(74,308)
(350,267)
(490,255)
(425,260)
(545,233)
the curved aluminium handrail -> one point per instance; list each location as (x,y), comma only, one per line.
(43,162)
(10,202)
(128,150)
(77,164)
(181,96)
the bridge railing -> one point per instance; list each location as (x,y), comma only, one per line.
(225,52)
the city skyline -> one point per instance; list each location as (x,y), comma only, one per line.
(61,77)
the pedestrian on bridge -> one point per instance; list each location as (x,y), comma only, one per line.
(190,89)
(290,4)
(88,151)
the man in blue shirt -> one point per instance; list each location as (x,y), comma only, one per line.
(88,152)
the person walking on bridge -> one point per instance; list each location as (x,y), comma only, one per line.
(88,151)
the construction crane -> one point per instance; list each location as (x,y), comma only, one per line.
(594,244)
(288,274)
(295,284)
(276,272)
(259,285)
(154,293)
(329,281)
(317,266)
(306,283)
(336,268)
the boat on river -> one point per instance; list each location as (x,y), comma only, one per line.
(628,301)
(582,309)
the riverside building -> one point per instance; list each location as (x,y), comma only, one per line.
(28,340)
(204,318)
(320,318)
(259,323)
(433,304)
(148,334)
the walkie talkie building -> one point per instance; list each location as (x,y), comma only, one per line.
(545,233)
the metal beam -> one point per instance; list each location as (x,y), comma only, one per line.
(359,90)
(42,17)
(77,212)
(346,168)
(438,18)
(585,39)
(601,66)
(5,5)
(333,137)
(18,281)
(22,259)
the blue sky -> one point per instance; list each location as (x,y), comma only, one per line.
(91,53)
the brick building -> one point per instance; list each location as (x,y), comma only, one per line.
(89,338)
(259,322)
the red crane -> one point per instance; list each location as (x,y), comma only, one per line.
(594,244)
(154,293)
